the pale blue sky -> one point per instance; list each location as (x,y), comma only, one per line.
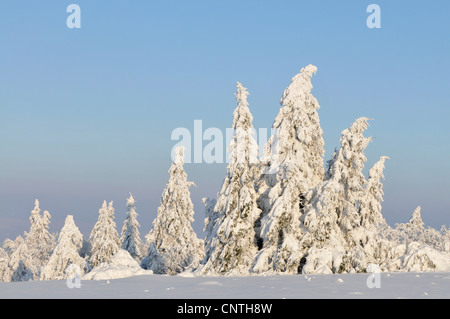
(87,114)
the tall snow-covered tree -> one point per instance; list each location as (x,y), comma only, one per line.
(347,169)
(333,212)
(130,237)
(66,252)
(39,240)
(104,239)
(174,246)
(232,245)
(374,243)
(294,159)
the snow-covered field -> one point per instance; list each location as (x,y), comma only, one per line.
(392,285)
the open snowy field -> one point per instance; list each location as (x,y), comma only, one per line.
(392,285)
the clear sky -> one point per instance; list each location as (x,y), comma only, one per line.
(86,114)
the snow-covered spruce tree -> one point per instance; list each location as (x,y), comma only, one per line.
(173,244)
(347,169)
(412,230)
(416,224)
(333,210)
(371,217)
(294,159)
(130,237)
(5,271)
(20,260)
(104,239)
(374,243)
(322,244)
(66,252)
(231,245)
(39,240)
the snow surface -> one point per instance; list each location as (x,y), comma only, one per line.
(392,285)
(123,278)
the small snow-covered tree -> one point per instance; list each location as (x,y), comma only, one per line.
(20,260)
(104,239)
(66,252)
(173,244)
(416,223)
(412,230)
(232,245)
(436,238)
(294,159)
(39,240)
(130,237)
(370,212)
(347,169)
(5,271)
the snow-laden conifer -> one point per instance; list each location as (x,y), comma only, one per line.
(5,271)
(373,224)
(416,223)
(371,217)
(130,237)
(66,253)
(231,245)
(39,240)
(412,230)
(173,244)
(20,261)
(333,211)
(104,239)
(323,245)
(347,169)
(294,158)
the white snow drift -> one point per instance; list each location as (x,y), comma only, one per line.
(122,265)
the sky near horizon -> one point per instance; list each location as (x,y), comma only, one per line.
(87,114)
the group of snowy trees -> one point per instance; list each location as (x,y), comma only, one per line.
(287,213)
(42,255)
(284,212)
(171,246)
